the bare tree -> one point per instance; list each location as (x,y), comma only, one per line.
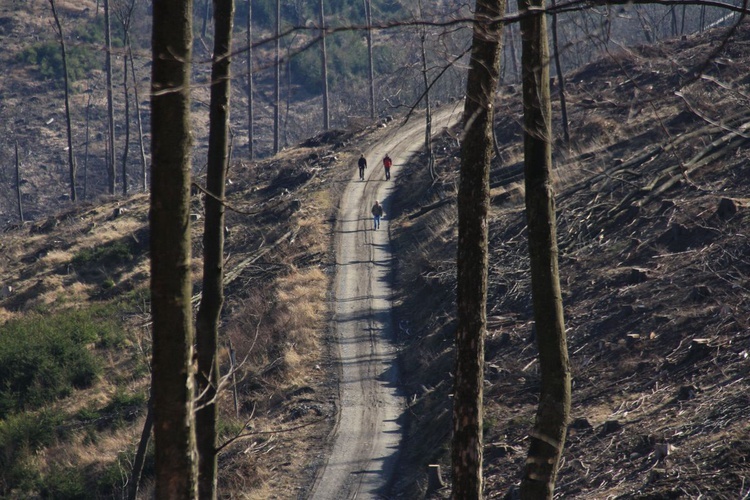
(212,298)
(473,210)
(172,360)
(324,68)
(18,186)
(371,72)
(277,82)
(560,80)
(66,85)
(548,435)
(110,104)
(249,71)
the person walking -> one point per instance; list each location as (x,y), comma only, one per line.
(387,164)
(362,163)
(377,213)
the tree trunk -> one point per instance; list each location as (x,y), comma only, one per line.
(140,454)
(368,20)
(141,146)
(66,85)
(112,177)
(277,82)
(473,209)
(560,81)
(18,186)
(512,48)
(428,110)
(86,148)
(249,35)
(548,435)
(126,95)
(212,299)
(172,372)
(324,69)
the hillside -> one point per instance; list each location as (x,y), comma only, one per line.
(653,221)
(652,229)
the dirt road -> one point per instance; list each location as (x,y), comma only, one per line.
(368,433)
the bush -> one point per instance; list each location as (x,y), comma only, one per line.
(44,357)
(21,436)
(48,59)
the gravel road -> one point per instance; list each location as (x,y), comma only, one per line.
(368,433)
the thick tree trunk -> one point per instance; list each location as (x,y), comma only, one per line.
(66,85)
(112,176)
(473,209)
(548,435)
(212,299)
(172,373)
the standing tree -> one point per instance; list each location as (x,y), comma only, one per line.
(473,209)
(371,72)
(277,82)
(172,372)
(560,80)
(426,84)
(110,104)
(249,70)
(548,436)
(124,14)
(324,68)
(212,298)
(18,186)
(66,85)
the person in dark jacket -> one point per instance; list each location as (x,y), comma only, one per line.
(362,163)
(377,213)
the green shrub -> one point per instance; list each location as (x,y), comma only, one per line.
(48,60)
(114,253)
(64,483)
(21,436)
(44,357)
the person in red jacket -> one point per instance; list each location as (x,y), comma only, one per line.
(387,164)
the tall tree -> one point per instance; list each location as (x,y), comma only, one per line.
(172,372)
(560,80)
(277,82)
(548,435)
(212,298)
(66,85)
(324,68)
(112,177)
(124,13)
(473,210)
(18,186)
(371,72)
(426,85)
(249,71)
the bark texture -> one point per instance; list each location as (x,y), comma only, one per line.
(548,435)
(172,377)
(473,208)
(212,298)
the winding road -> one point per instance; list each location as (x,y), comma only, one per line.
(367,434)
